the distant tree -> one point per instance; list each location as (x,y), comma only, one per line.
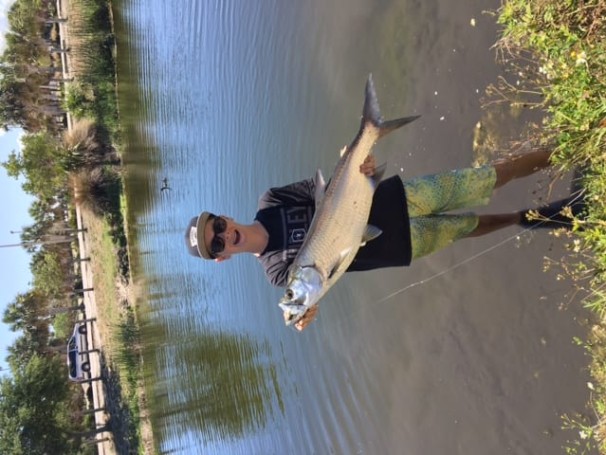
(22,350)
(41,162)
(28,313)
(24,311)
(52,277)
(42,213)
(33,412)
(12,109)
(25,71)
(23,17)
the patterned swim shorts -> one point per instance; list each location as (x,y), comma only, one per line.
(428,197)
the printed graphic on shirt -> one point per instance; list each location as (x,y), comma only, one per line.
(297,236)
(296,224)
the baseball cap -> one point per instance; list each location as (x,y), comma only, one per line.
(194,236)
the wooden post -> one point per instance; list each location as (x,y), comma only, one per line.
(92,411)
(93,441)
(81,291)
(76,260)
(56,20)
(91,380)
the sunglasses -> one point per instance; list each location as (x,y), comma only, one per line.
(217,244)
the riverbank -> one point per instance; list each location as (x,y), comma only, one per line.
(112,301)
(555,55)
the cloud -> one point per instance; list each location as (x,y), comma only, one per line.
(4,7)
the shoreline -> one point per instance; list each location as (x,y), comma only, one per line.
(109,407)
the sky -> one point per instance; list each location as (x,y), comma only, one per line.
(4,6)
(14,261)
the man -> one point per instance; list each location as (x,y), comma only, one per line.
(411,214)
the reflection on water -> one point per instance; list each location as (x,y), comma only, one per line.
(226,98)
(223,389)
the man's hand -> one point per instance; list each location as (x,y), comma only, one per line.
(307,318)
(368,166)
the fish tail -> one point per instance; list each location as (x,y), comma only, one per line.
(372,112)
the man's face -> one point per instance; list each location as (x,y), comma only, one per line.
(223,237)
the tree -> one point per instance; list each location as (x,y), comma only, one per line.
(21,351)
(41,163)
(33,413)
(28,314)
(50,277)
(24,311)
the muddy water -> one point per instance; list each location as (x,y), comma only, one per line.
(226,99)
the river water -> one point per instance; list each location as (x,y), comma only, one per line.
(227,98)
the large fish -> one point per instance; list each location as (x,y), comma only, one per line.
(340,223)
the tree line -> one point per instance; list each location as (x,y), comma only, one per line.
(59,167)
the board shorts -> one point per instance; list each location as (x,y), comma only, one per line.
(429,197)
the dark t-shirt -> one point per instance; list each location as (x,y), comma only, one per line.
(286,213)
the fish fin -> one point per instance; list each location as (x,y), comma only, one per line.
(342,151)
(342,256)
(371,233)
(320,188)
(390,125)
(372,112)
(378,175)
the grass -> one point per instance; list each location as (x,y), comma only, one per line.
(117,324)
(92,99)
(105,272)
(556,58)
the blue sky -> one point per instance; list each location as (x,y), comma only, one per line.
(14,261)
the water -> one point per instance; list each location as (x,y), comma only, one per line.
(228,98)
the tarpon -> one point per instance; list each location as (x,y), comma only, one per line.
(340,223)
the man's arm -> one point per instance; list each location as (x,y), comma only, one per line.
(297,193)
(304,190)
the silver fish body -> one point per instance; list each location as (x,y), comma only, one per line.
(340,223)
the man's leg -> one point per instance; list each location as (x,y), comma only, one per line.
(516,167)
(491,223)
(427,197)
(521,166)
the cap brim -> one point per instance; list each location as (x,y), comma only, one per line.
(194,236)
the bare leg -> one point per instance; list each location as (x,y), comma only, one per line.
(491,223)
(521,166)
